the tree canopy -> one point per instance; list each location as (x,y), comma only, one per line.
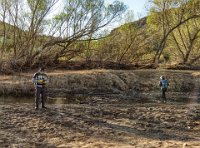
(47,32)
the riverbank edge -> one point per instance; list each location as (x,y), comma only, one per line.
(110,83)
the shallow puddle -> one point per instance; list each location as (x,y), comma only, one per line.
(89,100)
(21,100)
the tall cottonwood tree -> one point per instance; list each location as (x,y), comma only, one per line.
(37,36)
(22,21)
(167,15)
(36,17)
(80,19)
(185,41)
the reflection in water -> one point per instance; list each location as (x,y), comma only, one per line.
(191,101)
(14,100)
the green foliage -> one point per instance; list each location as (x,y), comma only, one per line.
(116,7)
(62,16)
(171,30)
(39,5)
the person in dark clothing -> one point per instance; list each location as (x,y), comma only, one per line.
(164,86)
(40,79)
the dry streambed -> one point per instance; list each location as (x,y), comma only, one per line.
(102,121)
(101,124)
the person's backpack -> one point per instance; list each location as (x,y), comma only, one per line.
(164,83)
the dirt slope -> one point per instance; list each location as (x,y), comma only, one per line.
(137,83)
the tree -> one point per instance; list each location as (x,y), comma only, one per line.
(32,36)
(23,21)
(186,38)
(79,20)
(167,15)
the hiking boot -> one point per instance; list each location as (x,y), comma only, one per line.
(44,108)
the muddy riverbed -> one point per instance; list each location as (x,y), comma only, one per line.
(100,122)
(102,109)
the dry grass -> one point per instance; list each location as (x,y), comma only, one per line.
(102,81)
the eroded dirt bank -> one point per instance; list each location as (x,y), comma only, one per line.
(104,123)
(137,83)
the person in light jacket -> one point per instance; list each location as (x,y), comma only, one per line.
(164,86)
(40,80)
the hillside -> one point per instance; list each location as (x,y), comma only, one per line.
(141,23)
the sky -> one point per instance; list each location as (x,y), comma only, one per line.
(139,7)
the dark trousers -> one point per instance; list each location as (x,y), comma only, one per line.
(163,94)
(40,92)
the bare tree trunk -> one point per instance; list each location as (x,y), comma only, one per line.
(4,27)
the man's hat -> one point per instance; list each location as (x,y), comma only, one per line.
(162,77)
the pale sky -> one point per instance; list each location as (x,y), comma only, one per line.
(138,6)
